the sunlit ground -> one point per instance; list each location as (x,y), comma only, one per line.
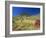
(20,23)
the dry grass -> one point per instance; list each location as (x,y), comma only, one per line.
(25,23)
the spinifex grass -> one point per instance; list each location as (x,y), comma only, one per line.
(23,23)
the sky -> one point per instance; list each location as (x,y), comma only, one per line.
(30,11)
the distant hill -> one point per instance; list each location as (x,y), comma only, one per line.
(24,14)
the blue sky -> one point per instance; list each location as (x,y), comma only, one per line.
(30,11)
